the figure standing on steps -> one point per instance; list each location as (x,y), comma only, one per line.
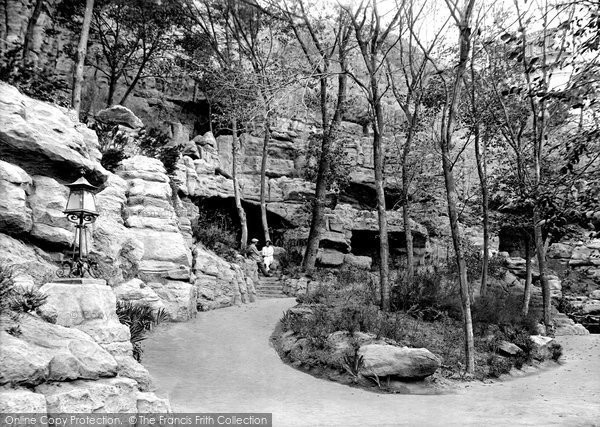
(267,253)
(256,256)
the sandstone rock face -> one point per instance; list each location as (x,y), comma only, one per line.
(15,214)
(33,264)
(47,203)
(138,292)
(387,360)
(114,395)
(179,298)
(46,352)
(41,138)
(220,283)
(151,218)
(21,400)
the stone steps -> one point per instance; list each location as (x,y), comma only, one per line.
(269,287)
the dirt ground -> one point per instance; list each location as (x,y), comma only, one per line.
(223,362)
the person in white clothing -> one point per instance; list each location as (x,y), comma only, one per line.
(267,253)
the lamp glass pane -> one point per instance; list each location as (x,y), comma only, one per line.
(75,201)
(89,202)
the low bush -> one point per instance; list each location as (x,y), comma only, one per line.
(498,365)
(15,300)
(428,294)
(42,83)
(27,300)
(504,311)
(217,232)
(140,319)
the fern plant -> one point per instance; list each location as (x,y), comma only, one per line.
(140,318)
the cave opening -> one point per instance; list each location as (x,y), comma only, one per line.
(223,211)
(366,243)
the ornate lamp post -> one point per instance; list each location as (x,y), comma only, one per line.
(80,210)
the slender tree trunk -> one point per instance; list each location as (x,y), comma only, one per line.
(318,205)
(263,176)
(112,86)
(528,276)
(31,24)
(384,248)
(481,171)
(81,54)
(541,257)
(408,237)
(236,187)
(451,195)
(464,285)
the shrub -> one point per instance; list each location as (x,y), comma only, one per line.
(502,310)
(37,82)
(556,351)
(140,319)
(217,232)
(112,144)
(7,287)
(428,294)
(112,158)
(153,143)
(498,365)
(27,301)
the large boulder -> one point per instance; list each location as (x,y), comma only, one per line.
(119,115)
(32,264)
(21,400)
(42,139)
(388,360)
(179,299)
(138,292)
(115,395)
(15,214)
(47,202)
(46,352)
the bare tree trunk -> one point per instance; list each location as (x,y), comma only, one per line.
(528,276)
(541,257)
(451,194)
(384,247)
(112,86)
(81,54)
(408,237)
(263,176)
(236,187)
(481,171)
(31,24)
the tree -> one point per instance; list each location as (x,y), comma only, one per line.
(452,84)
(324,48)
(131,36)
(532,109)
(413,72)
(254,31)
(225,79)
(81,54)
(375,40)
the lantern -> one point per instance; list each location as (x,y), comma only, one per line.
(80,210)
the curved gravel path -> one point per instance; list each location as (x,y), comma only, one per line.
(222,361)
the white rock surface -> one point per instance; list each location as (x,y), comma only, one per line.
(384,360)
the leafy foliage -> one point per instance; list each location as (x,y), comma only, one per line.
(217,232)
(41,83)
(140,319)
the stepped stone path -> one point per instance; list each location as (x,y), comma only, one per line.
(222,361)
(269,287)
